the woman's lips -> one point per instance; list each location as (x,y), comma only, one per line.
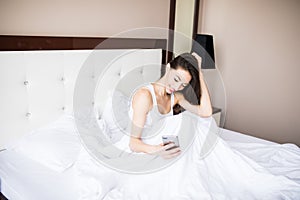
(171,90)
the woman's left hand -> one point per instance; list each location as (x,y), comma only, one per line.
(199,59)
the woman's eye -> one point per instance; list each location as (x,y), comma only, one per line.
(175,79)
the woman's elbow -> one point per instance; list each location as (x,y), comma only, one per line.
(133,145)
(207,113)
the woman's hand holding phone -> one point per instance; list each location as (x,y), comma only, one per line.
(167,151)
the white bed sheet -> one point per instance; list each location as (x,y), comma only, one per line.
(25,179)
(22,178)
(234,136)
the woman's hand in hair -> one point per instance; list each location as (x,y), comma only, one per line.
(199,59)
(205,107)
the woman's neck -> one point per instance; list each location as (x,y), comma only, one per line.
(160,87)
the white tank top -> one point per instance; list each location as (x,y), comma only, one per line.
(154,125)
(155,120)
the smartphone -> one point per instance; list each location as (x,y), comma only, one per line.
(167,139)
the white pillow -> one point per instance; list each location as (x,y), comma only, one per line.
(56,146)
(115,116)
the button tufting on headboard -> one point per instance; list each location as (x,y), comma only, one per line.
(52,77)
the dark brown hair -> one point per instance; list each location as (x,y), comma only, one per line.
(192,92)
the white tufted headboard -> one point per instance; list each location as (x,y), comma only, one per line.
(36,87)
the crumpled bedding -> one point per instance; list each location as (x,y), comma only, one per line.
(209,168)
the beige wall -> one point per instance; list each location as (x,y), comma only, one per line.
(81,18)
(257,51)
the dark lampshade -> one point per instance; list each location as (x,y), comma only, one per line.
(203,45)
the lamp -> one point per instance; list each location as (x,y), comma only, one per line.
(203,45)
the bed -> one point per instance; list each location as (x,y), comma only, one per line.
(42,156)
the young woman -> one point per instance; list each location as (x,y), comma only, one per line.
(223,173)
(183,86)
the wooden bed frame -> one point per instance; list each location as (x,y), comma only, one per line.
(30,43)
(25,43)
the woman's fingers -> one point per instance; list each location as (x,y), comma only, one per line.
(168,146)
(199,59)
(170,151)
(167,151)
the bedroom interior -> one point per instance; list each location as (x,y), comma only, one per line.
(23,111)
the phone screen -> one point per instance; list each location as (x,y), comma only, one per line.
(170,139)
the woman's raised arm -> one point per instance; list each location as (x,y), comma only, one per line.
(205,107)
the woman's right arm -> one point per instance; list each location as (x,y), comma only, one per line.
(141,105)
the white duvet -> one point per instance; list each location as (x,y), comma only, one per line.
(219,170)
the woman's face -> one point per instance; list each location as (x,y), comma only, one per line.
(177,79)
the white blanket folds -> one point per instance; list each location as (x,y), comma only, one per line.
(209,168)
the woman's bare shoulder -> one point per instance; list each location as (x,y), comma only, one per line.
(142,97)
(142,94)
